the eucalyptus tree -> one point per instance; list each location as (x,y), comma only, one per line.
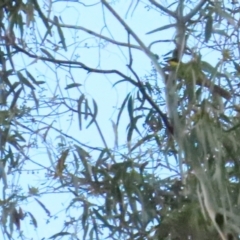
(166,164)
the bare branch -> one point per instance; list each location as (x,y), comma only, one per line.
(167,11)
(96,35)
(141,88)
(138,40)
(72,63)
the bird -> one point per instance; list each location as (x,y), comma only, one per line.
(191,71)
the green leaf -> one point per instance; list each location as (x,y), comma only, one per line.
(85,214)
(142,141)
(35,100)
(122,107)
(101,218)
(24,80)
(46,53)
(84,156)
(29,75)
(61,163)
(15,98)
(126,80)
(115,132)
(162,28)
(208,28)
(43,206)
(73,85)
(60,234)
(60,32)
(34,221)
(130,108)
(3,175)
(19,136)
(40,82)
(236,66)
(133,125)
(20,24)
(79,109)
(94,114)
(86,109)
(101,157)
(43,18)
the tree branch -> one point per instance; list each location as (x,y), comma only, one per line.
(167,11)
(95,34)
(73,63)
(194,11)
(137,39)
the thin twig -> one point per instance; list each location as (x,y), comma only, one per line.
(194,11)
(95,34)
(137,39)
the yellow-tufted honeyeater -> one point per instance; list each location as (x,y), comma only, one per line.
(173,62)
(191,72)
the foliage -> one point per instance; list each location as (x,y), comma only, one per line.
(183,120)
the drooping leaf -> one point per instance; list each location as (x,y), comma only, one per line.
(44,207)
(132,127)
(115,131)
(79,109)
(208,28)
(29,9)
(34,221)
(101,158)
(20,24)
(15,219)
(94,113)
(84,157)
(43,18)
(60,33)
(35,100)
(122,108)
(130,108)
(30,76)
(86,109)
(61,163)
(15,98)
(236,66)
(103,219)
(126,80)
(24,80)
(3,174)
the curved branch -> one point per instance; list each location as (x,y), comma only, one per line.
(95,34)
(73,63)
(137,39)
(138,84)
(158,41)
